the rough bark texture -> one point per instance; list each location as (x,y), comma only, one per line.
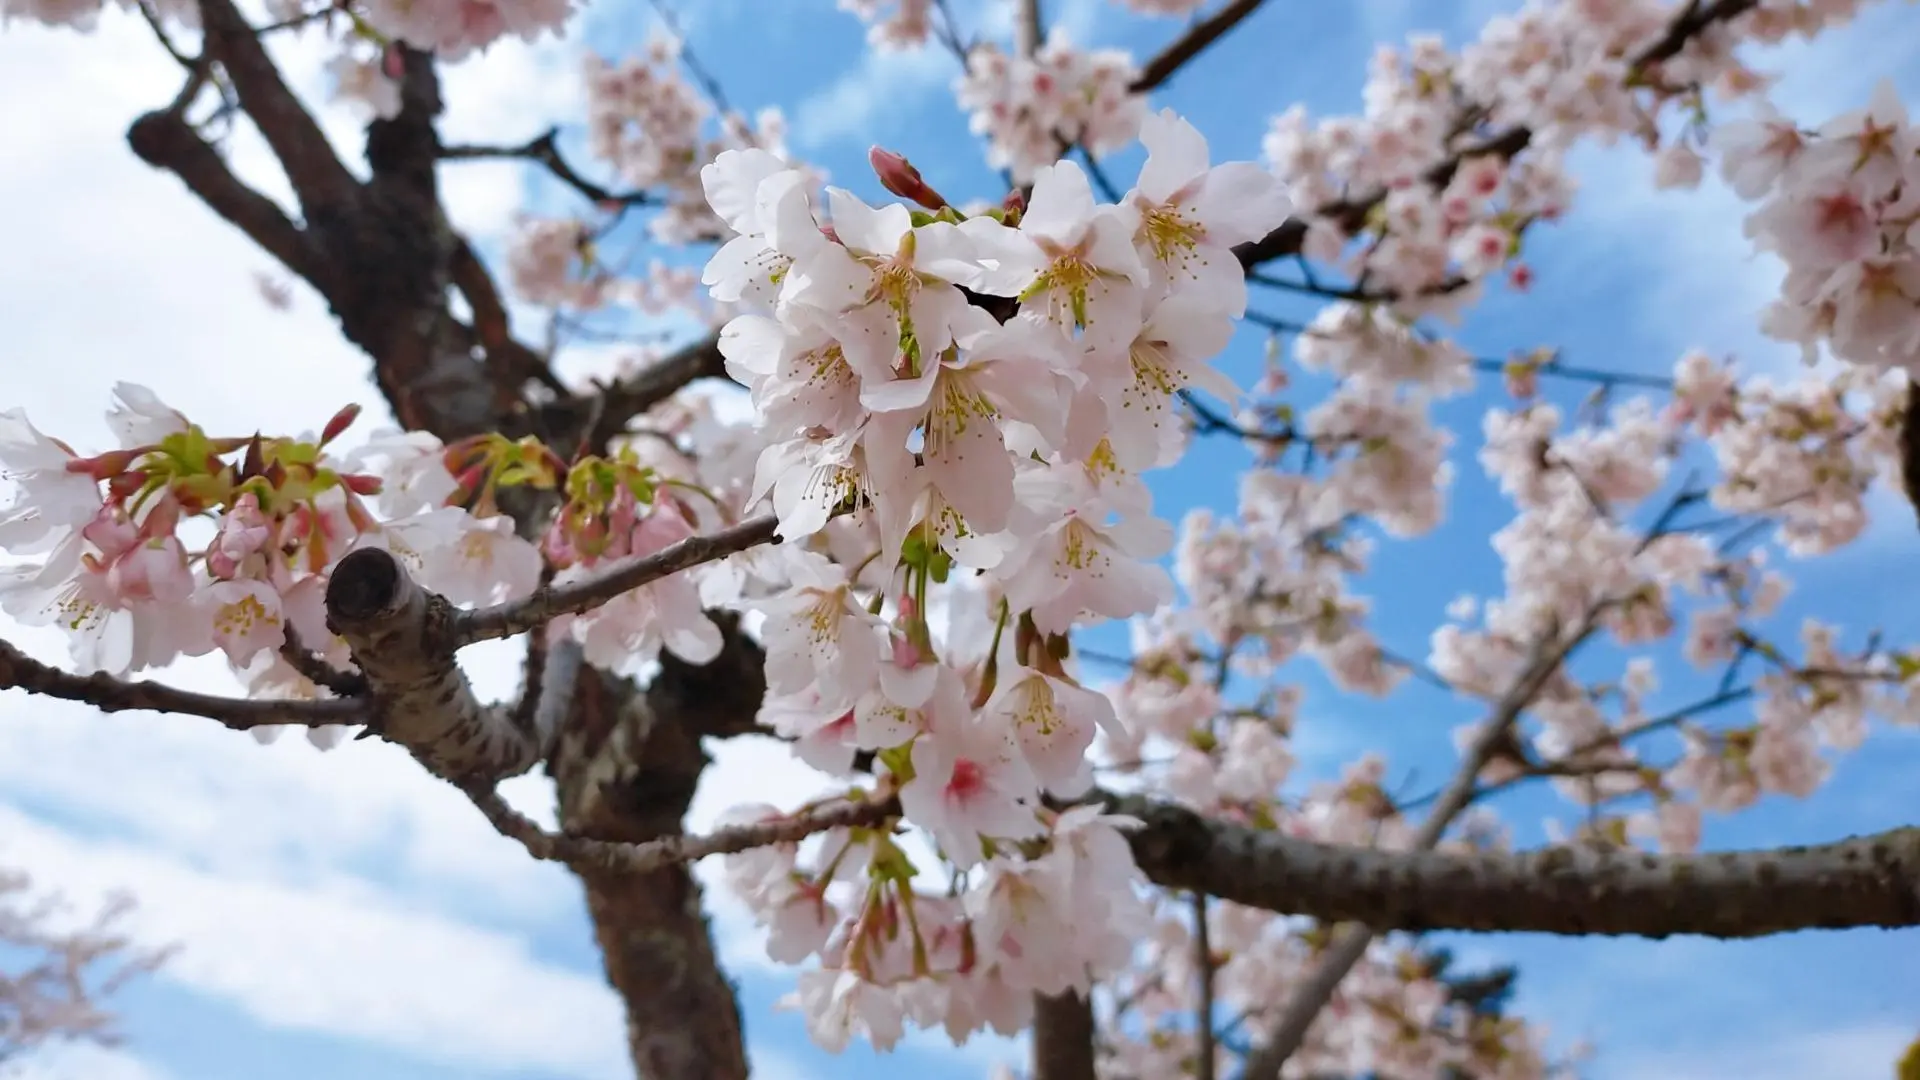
(401,641)
(627,766)
(1865,881)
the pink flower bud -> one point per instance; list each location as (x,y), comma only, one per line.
(340,422)
(900,177)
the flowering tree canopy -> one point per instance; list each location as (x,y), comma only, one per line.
(874,506)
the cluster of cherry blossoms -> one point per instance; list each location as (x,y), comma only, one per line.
(894,24)
(1003,447)
(1428,173)
(1838,206)
(645,120)
(177,543)
(1030,108)
(123,575)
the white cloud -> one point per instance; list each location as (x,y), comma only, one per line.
(1863,1051)
(334,955)
(222,803)
(81,1061)
(882,82)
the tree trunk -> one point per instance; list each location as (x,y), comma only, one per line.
(625,773)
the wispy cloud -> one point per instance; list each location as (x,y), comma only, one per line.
(880,89)
(338,956)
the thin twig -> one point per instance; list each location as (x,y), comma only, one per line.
(669,850)
(1191,44)
(528,613)
(545,150)
(18,671)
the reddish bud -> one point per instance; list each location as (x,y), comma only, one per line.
(361,483)
(393,63)
(340,422)
(106,466)
(471,478)
(899,176)
(1014,205)
(126,485)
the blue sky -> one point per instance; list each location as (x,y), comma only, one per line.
(344,915)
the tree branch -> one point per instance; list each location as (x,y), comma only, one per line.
(523,615)
(512,363)
(558,679)
(1865,881)
(320,181)
(1029,27)
(1063,1034)
(1350,945)
(627,398)
(18,671)
(1203,1004)
(164,140)
(1191,44)
(402,637)
(545,150)
(1350,214)
(674,850)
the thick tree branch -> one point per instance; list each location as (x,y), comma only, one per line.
(1191,44)
(1864,881)
(404,150)
(1063,1035)
(402,638)
(164,140)
(539,608)
(18,671)
(512,363)
(321,182)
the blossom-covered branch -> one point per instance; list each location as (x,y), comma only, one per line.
(587,593)
(856,813)
(1573,889)
(1349,213)
(18,671)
